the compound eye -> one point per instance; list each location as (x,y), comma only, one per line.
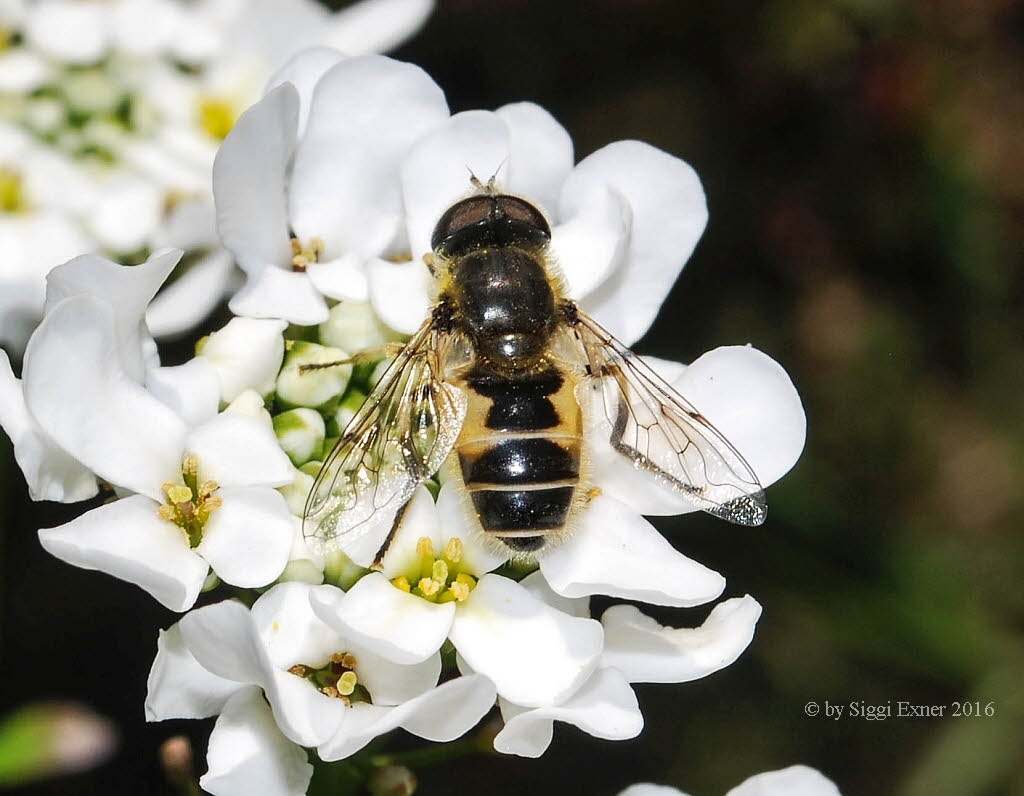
(461,215)
(522,212)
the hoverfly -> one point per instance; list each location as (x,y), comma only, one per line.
(498,383)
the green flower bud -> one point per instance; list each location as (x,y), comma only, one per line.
(302,570)
(346,410)
(354,326)
(315,388)
(296,493)
(300,433)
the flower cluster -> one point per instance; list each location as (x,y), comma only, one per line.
(326,191)
(111,112)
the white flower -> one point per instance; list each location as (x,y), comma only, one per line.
(793,781)
(106,144)
(52,472)
(323,689)
(435,583)
(636,649)
(203,482)
(625,219)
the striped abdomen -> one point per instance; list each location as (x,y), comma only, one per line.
(519,452)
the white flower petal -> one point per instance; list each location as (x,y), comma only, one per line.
(128,212)
(276,293)
(22,71)
(304,71)
(128,540)
(604,707)
(192,390)
(593,243)
(455,512)
(392,623)
(31,244)
(745,394)
(419,520)
(648,789)
(669,213)
(248,754)
(647,652)
(304,714)
(534,654)
(50,472)
(752,401)
(248,538)
(441,715)
(436,173)
(236,450)
(192,297)
(178,687)
(249,179)
(247,353)
(73,32)
(341,279)
(357,139)
(290,631)
(615,551)
(451,709)
(793,781)
(142,27)
(376,26)
(392,683)
(539,588)
(400,293)
(76,388)
(126,289)
(223,640)
(540,154)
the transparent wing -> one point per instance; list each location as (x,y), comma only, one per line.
(663,433)
(398,438)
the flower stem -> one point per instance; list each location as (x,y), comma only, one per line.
(430,755)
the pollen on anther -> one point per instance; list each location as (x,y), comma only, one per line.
(347,683)
(428,586)
(453,550)
(179,494)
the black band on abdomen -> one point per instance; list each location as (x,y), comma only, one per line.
(521,460)
(523,510)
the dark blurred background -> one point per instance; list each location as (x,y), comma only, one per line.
(864,165)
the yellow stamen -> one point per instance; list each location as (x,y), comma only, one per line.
(453,550)
(304,255)
(347,683)
(179,494)
(439,572)
(12,200)
(217,116)
(459,591)
(428,586)
(425,551)
(402,582)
